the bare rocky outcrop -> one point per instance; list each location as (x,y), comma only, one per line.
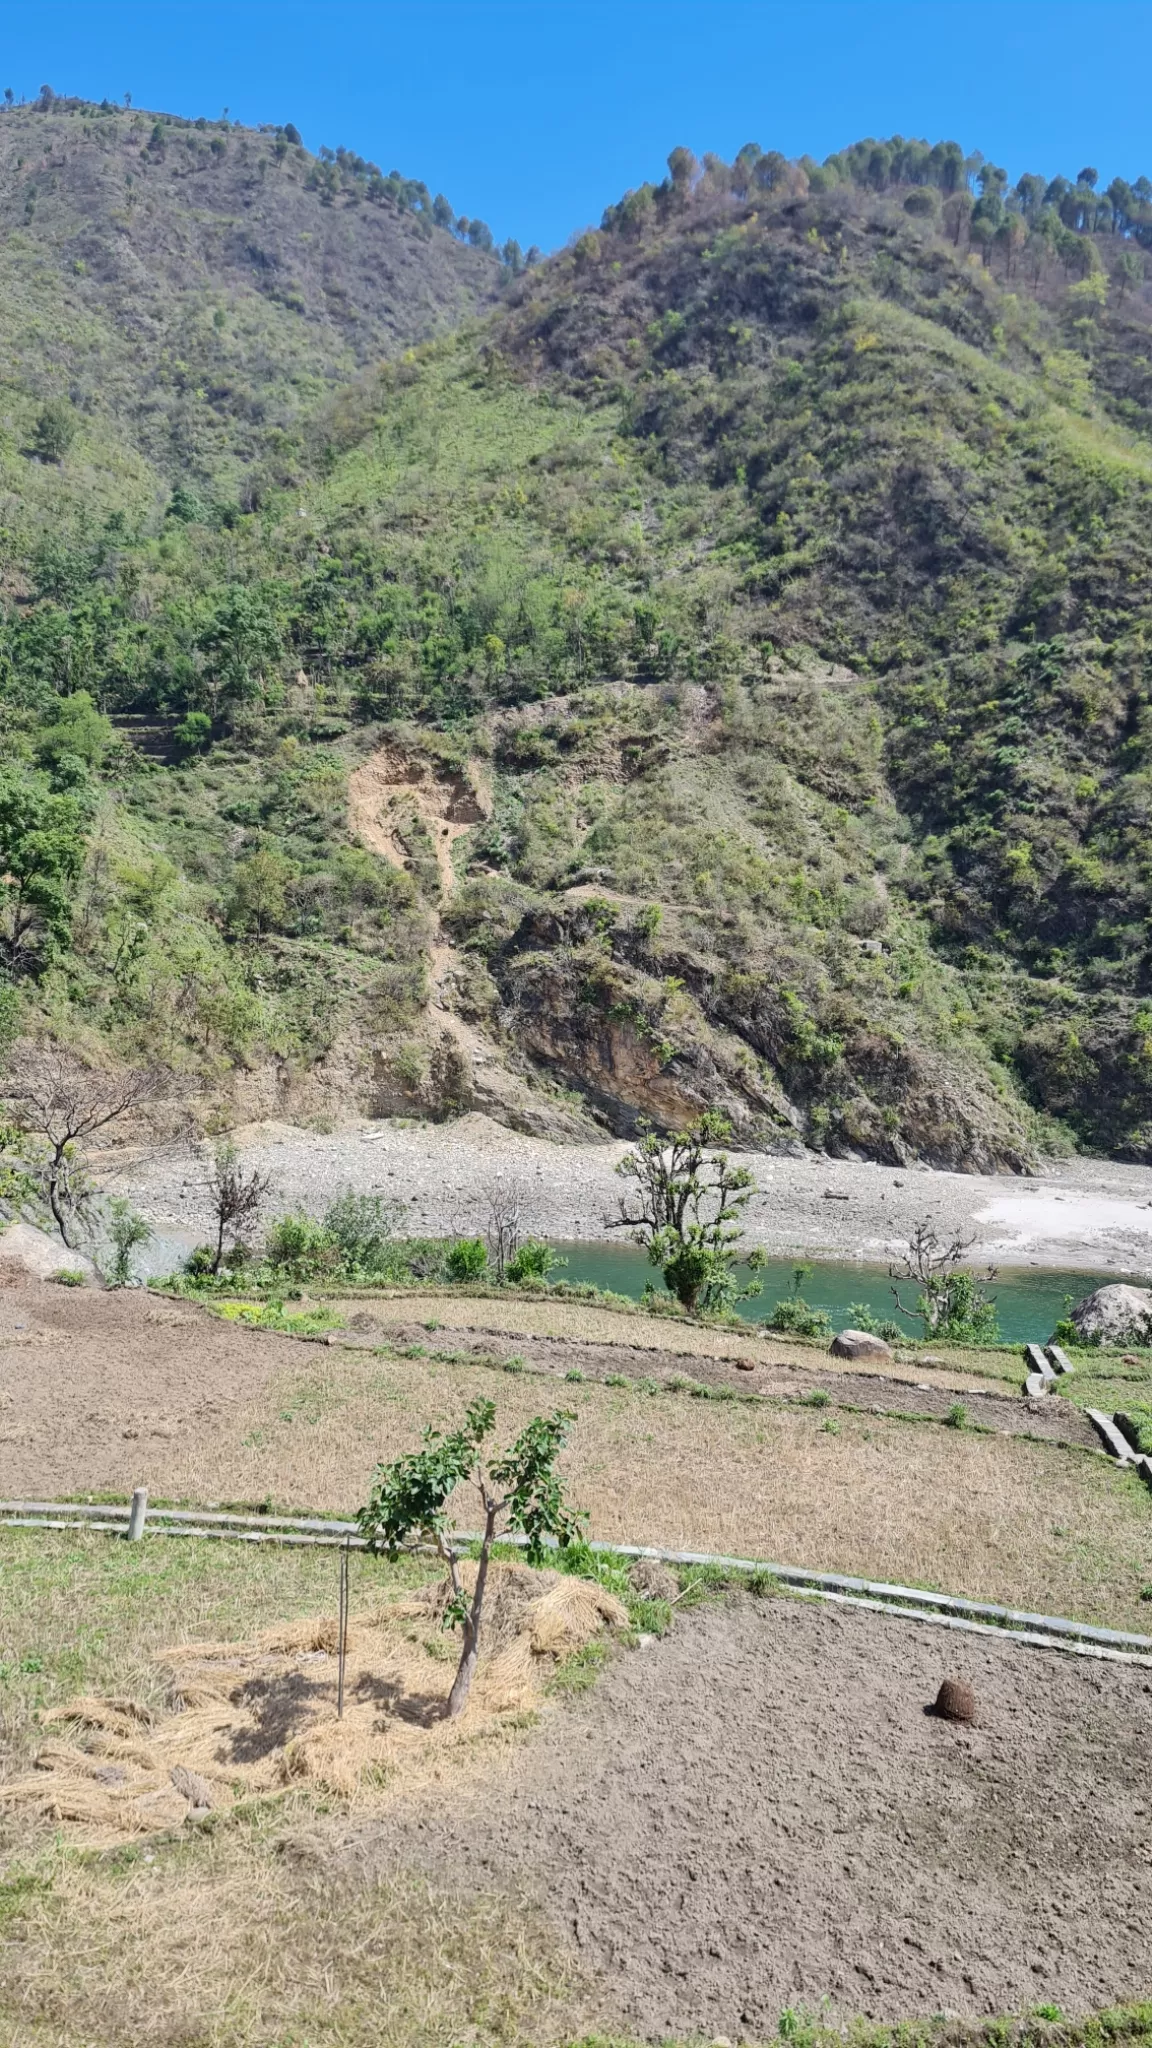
(599,1029)
(30,1254)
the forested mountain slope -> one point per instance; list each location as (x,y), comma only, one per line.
(196,287)
(738,648)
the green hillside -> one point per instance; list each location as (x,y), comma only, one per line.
(196,288)
(738,643)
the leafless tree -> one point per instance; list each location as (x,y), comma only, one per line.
(58,1101)
(506,1199)
(236,1198)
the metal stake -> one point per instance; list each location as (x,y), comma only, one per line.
(343,1628)
(137,1514)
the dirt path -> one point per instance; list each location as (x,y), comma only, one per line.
(757,1813)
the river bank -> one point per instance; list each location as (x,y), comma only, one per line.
(1076,1213)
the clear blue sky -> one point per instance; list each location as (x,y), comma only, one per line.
(535,113)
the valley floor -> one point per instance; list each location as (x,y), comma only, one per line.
(103,1392)
(1075,1213)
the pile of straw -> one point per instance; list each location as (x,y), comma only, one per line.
(252,1718)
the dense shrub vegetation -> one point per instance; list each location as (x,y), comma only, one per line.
(780,550)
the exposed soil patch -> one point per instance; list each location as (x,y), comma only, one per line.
(85,1377)
(758,1812)
(1056,1420)
(393,787)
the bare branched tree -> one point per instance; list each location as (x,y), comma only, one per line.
(60,1103)
(951,1300)
(506,1199)
(236,1198)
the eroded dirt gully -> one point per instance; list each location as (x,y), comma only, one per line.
(757,1813)
(391,796)
(392,786)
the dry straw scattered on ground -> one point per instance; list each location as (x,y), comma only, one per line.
(261,1717)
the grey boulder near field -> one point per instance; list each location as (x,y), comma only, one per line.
(1114,1315)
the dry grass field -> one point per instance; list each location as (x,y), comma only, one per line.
(514,1314)
(219,1938)
(111,1391)
(303,1919)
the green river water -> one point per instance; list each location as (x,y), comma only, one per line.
(1029,1301)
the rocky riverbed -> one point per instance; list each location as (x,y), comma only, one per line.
(1074,1213)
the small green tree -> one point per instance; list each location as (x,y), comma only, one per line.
(17,1184)
(684,171)
(127,1230)
(1130,270)
(260,891)
(193,732)
(364,1227)
(467,1259)
(533,1260)
(796,1315)
(78,733)
(519,1490)
(951,1301)
(684,1210)
(299,1248)
(55,430)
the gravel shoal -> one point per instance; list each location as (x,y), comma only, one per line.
(1075,1213)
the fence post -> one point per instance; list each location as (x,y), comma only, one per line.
(137,1513)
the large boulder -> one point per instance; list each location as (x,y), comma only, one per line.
(1114,1315)
(859,1344)
(29,1254)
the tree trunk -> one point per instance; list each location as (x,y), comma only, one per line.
(55,1205)
(466,1669)
(465,1672)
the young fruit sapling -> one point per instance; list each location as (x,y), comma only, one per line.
(519,1490)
